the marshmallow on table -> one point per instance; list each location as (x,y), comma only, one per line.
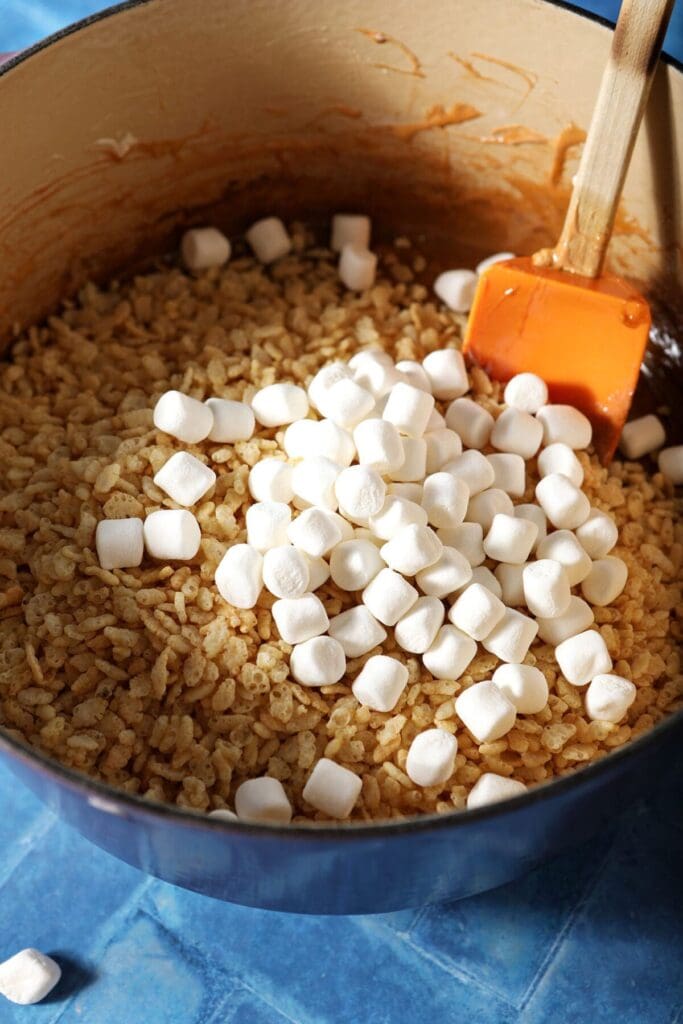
(565,424)
(314,481)
(605,581)
(315,531)
(360,492)
(300,618)
(509,473)
(263,800)
(583,657)
(443,445)
(332,789)
(470,421)
(560,458)
(183,417)
(536,515)
(350,229)
(408,408)
(411,549)
(347,403)
(319,661)
(416,630)
(491,788)
(308,438)
(357,630)
(445,499)
(119,543)
(456,289)
(431,757)
(378,444)
(414,464)
(642,436)
(510,578)
(450,572)
(670,462)
(318,572)
(497,257)
(354,563)
(269,239)
(394,514)
(271,480)
(388,596)
(485,506)
(447,373)
(563,547)
(467,538)
(28,976)
(172,535)
(414,373)
(411,491)
(526,392)
(279,404)
(510,539)
(476,611)
(485,711)
(577,618)
(380,683)
(564,504)
(472,468)
(525,686)
(232,421)
(450,653)
(185,478)
(517,432)
(285,571)
(357,267)
(201,248)
(239,576)
(512,637)
(324,379)
(598,534)
(267,524)
(609,697)
(546,588)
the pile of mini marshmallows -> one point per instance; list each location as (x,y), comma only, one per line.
(397,504)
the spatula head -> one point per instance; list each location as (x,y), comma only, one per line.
(584,337)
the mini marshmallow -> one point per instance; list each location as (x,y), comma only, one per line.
(408,408)
(348,530)
(201,248)
(357,267)
(354,563)
(374,372)
(477,611)
(485,711)
(609,697)
(509,473)
(443,446)
(565,424)
(315,531)
(564,504)
(310,438)
(232,421)
(357,630)
(560,458)
(416,630)
(472,468)
(563,547)
(436,421)
(517,432)
(484,507)
(324,380)
(467,538)
(598,534)
(377,354)
(409,491)
(183,417)
(536,515)
(263,800)
(605,581)
(267,523)
(332,789)
(583,657)
(456,289)
(347,403)
(511,639)
(278,404)
(546,588)
(449,654)
(431,757)
(172,535)
(380,683)
(445,499)
(360,492)
(378,444)
(185,479)
(300,618)
(28,976)
(319,661)
(120,543)
(285,571)
(526,392)
(484,576)
(314,481)
(578,617)
(470,421)
(414,464)
(239,576)
(450,572)
(394,515)
(670,462)
(510,539)
(411,549)
(447,373)
(223,814)
(525,686)
(269,239)
(271,480)
(318,572)
(491,789)
(497,257)
(510,578)
(350,229)
(414,373)
(642,436)
(388,596)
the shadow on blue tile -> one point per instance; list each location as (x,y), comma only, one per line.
(76,977)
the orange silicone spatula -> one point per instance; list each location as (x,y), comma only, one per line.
(554,313)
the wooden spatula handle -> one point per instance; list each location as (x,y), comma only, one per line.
(618,112)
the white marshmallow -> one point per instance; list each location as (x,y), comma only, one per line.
(378,444)
(300,618)
(485,711)
(377,354)
(447,373)
(546,588)
(450,572)
(598,534)
(315,531)
(525,686)
(239,576)
(436,421)
(411,549)
(416,630)
(357,267)
(278,404)
(583,657)
(449,654)
(380,683)
(443,446)
(414,464)
(232,421)
(332,789)
(511,639)
(394,515)
(484,576)
(485,506)
(536,515)
(472,468)
(319,661)
(350,229)
(357,630)
(564,504)
(605,581)
(518,432)
(563,547)
(318,572)
(285,571)
(456,289)
(565,424)
(609,697)
(309,438)
(509,473)
(201,248)
(374,372)
(267,524)
(324,379)
(360,492)
(28,976)
(477,611)
(271,480)
(348,531)
(409,491)
(467,539)
(269,239)
(445,499)
(120,543)
(431,757)
(183,417)
(185,479)
(670,462)
(510,539)
(408,408)
(347,403)
(223,814)
(263,800)
(560,458)
(172,535)
(388,596)
(526,392)
(511,584)
(414,373)
(491,789)
(470,421)
(314,481)
(578,617)
(497,257)
(354,563)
